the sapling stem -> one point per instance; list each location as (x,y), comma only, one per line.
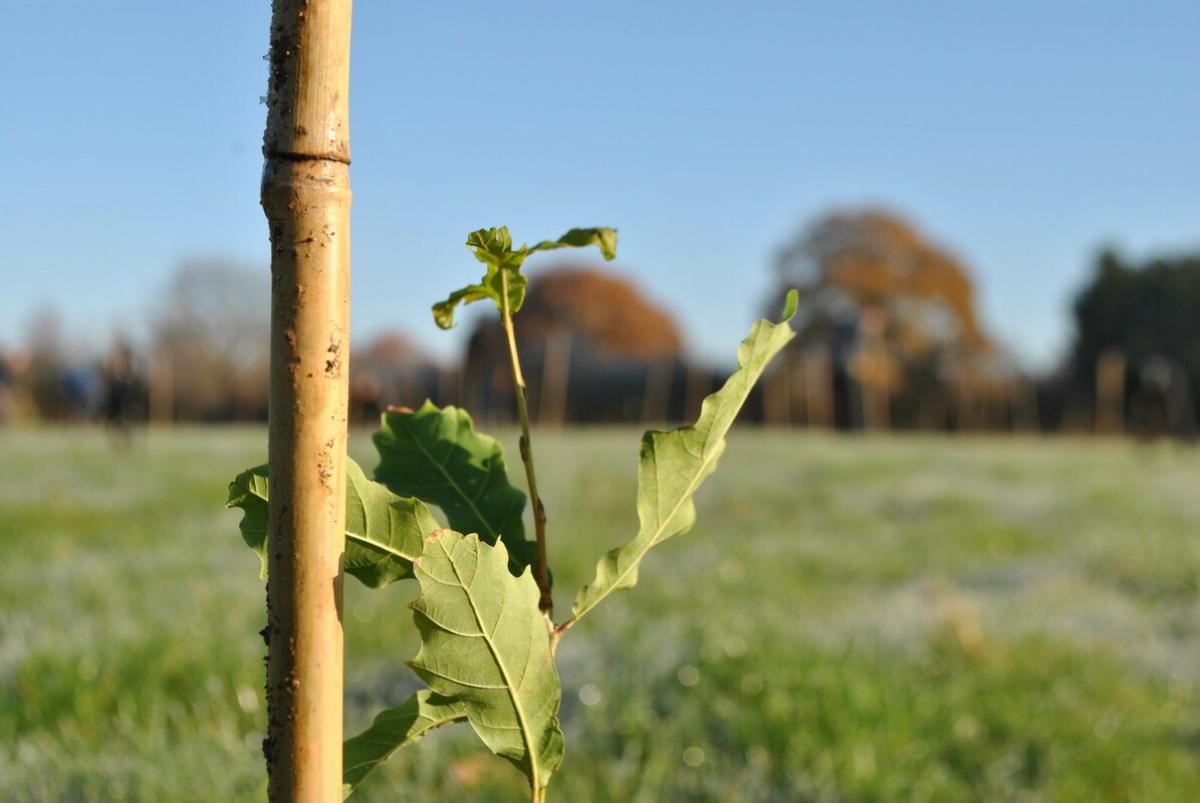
(546,602)
(464,577)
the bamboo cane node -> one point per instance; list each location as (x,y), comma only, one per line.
(297,156)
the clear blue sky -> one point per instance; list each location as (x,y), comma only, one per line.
(1021,134)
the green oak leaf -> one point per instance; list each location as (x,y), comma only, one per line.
(443,311)
(603,238)
(394,729)
(674,464)
(485,645)
(437,456)
(384,532)
(516,288)
(493,247)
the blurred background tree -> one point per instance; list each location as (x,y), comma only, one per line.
(1145,319)
(845,262)
(889,319)
(46,363)
(391,369)
(210,345)
(594,349)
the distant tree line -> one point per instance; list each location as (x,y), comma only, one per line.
(889,338)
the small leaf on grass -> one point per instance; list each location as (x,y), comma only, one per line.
(485,644)
(384,532)
(673,464)
(437,456)
(392,730)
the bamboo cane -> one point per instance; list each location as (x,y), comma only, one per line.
(306,198)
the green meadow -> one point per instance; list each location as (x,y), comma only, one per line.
(853,619)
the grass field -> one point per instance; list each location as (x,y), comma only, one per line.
(901,619)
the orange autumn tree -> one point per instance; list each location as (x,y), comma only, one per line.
(891,307)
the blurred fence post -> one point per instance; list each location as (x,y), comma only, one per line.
(450,385)
(1110,392)
(656,403)
(776,395)
(160,387)
(696,387)
(556,379)
(818,388)
(1027,404)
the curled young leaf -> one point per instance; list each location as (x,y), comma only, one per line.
(493,247)
(516,288)
(603,238)
(384,532)
(674,464)
(443,311)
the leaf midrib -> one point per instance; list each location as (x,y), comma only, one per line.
(653,540)
(526,736)
(442,470)
(364,538)
(691,487)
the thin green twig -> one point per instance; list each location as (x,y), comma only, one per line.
(546,602)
